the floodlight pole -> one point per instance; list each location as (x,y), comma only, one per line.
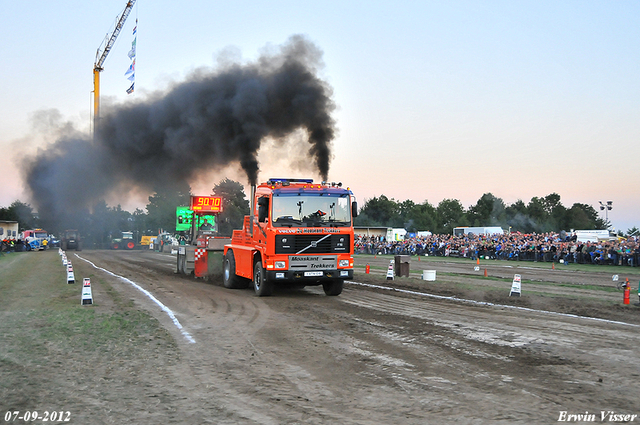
(606,207)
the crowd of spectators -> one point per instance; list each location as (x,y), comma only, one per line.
(551,247)
(10,245)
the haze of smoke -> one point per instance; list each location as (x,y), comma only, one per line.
(213,119)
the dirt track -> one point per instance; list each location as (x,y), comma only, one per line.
(365,357)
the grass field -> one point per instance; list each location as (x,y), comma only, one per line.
(49,341)
(590,268)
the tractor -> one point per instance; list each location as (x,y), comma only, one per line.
(71,240)
(125,242)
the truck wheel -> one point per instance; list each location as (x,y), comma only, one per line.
(64,245)
(115,245)
(262,287)
(130,245)
(230,278)
(333,287)
(79,246)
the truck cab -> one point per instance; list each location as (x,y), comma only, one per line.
(33,239)
(299,232)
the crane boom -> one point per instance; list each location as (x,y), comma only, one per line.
(101,57)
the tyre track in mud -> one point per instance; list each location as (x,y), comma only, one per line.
(368,357)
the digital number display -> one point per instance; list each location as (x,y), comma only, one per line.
(206,203)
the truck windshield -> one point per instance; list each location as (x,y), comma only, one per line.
(40,235)
(311,210)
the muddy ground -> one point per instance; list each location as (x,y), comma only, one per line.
(368,356)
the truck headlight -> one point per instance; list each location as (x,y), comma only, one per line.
(280,264)
(343,263)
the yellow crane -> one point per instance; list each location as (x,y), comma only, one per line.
(100,58)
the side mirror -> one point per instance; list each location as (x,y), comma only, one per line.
(354,209)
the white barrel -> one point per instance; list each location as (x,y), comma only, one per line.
(429,275)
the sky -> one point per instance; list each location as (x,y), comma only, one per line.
(435,99)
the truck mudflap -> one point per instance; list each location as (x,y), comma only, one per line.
(308,276)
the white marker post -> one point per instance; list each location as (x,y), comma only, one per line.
(390,271)
(87,297)
(516,286)
(71,278)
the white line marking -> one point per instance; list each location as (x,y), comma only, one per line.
(148,294)
(442,297)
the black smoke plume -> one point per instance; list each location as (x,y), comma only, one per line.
(213,119)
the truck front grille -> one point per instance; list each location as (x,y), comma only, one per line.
(293,244)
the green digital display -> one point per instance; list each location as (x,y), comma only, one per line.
(184,219)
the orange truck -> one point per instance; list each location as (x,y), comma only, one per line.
(298,233)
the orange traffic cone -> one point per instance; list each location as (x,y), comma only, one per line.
(553,266)
(478,261)
(485,272)
(367,269)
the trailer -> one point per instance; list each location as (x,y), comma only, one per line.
(460,231)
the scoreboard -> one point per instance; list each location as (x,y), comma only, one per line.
(206,204)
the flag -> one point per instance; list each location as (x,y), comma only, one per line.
(132,52)
(131,70)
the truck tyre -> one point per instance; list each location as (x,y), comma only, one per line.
(64,245)
(262,287)
(130,245)
(115,245)
(230,279)
(333,287)
(79,246)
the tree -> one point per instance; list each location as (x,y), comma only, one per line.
(22,213)
(634,231)
(103,225)
(488,211)
(235,206)
(518,218)
(421,217)
(161,209)
(380,211)
(450,214)
(584,217)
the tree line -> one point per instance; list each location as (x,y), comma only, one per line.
(541,214)
(99,223)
